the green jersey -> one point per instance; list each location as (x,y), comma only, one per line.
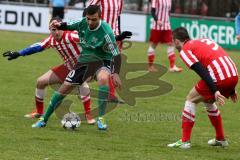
(99,42)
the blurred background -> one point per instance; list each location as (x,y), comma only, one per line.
(214,8)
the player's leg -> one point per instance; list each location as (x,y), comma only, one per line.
(55,101)
(102,77)
(226,88)
(84,95)
(172,59)
(154,40)
(74,77)
(166,37)
(112,96)
(188,119)
(151,57)
(216,120)
(43,81)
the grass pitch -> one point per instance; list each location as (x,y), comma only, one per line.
(141,131)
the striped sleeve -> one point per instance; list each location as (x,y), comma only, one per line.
(121,6)
(111,45)
(46,42)
(94,2)
(188,57)
(75,37)
(154,3)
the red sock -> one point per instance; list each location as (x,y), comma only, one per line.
(39,105)
(172,59)
(111,88)
(86,100)
(217,124)
(187,125)
(151,57)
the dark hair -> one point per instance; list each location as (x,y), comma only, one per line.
(92,9)
(181,34)
(55,18)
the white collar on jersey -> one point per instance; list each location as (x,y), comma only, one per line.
(100,22)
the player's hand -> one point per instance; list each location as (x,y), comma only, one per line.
(219,98)
(55,23)
(238,37)
(117,81)
(160,23)
(11,55)
(124,35)
(234,97)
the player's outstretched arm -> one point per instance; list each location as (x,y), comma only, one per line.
(11,55)
(35,48)
(71,26)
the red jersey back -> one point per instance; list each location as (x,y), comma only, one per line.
(111,9)
(163,8)
(211,56)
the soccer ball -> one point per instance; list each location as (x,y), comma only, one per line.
(71,121)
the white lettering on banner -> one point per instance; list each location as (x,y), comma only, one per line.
(230,39)
(222,34)
(219,33)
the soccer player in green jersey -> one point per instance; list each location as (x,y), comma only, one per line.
(99,59)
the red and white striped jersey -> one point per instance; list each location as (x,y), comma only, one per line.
(163,8)
(213,57)
(111,9)
(67,47)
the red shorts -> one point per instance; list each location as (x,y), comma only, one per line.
(161,36)
(119,44)
(226,87)
(61,71)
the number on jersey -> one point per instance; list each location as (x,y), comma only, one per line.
(209,42)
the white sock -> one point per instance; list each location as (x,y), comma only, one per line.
(189,110)
(39,93)
(84,92)
(151,50)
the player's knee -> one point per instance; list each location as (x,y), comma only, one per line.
(153,45)
(211,106)
(103,80)
(41,83)
(189,98)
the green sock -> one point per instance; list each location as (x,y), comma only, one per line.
(102,99)
(55,101)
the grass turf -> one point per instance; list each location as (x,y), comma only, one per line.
(135,132)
